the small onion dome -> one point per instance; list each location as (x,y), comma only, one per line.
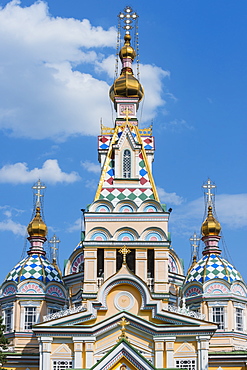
(210,226)
(37,227)
(126,85)
(127,51)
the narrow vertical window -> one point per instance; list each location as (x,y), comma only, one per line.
(239,319)
(30,317)
(126,164)
(8,319)
(218,317)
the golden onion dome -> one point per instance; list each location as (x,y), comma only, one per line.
(126,85)
(37,227)
(127,51)
(210,226)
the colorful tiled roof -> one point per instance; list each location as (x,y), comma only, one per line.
(35,267)
(213,267)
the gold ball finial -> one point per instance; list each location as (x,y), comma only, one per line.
(210,226)
(37,227)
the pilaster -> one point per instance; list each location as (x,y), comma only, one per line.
(161,271)
(169,348)
(109,263)
(141,263)
(45,354)
(90,270)
(89,349)
(77,352)
(203,346)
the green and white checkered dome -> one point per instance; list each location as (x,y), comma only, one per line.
(211,267)
(36,267)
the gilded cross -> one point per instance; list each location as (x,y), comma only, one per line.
(54,241)
(128,16)
(124,251)
(38,186)
(123,322)
(209,185)
(194,239)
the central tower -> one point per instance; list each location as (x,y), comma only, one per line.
(126,210)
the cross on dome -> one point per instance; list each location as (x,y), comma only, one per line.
(38,186)
(209,186)
(54,241)
(194,239)
(128,16)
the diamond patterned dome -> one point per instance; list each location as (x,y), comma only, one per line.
(35,267)
(213,267)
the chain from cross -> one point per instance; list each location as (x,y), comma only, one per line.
(54,241)
(124,251)
(194,239)
(128,16)
(123,323)
(38,186)
(209,186)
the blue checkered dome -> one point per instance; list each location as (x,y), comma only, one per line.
(36,267)
(212,266)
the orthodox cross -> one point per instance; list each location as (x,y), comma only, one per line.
(124,251)
(128,16)
(38,186)
(54,241)
(209,185)
(123,323)
(194,239)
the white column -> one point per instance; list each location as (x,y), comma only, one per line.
(203,346)
(40,354)
(170,351)
(159,353)
(77,352)
(46,353)
(89,348)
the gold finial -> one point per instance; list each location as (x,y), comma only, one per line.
(37,227)
(210,226)
(123,322)
(124,251)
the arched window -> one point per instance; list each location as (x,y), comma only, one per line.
(126,164)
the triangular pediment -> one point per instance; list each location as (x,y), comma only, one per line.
(185,349)
(123,354)
(63,350)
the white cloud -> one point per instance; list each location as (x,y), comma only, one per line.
(15,227)
(169,198)
(8,224)
(231,212)
(77,226)
(91,167)
(50,172)
(38,57)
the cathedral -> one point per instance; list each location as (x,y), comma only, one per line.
(124,301)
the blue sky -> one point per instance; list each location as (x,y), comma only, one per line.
(56,67)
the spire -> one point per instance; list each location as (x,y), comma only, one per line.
(126,85)
(37,228)
(210,227)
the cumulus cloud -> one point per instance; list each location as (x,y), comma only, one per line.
(8,224)
(50,172)
(43,95)
(169,198)
(50,74)
(91,167)
(231,211)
